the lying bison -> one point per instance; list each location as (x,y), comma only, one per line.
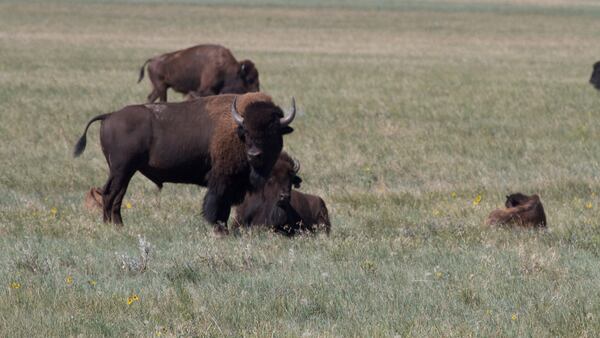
(206,142)
(277,205)
(520,210)
(595,78)
(201,70)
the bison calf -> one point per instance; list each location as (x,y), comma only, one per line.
(201,70)
(520,210)
(277,205)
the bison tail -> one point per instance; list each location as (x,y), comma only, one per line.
(142,70)
(80,146)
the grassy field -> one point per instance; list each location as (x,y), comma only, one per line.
(409,110)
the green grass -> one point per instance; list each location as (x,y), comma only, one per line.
(402,104)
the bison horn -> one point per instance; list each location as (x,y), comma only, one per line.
(296,166)
(284,121)
(234,113)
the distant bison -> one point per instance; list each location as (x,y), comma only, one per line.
(520,210)
(277,205)
(595,78)
(206,142)
(201,70)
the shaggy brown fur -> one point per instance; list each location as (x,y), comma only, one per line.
(198,71)
(195,142)
(93,199)
(521,210)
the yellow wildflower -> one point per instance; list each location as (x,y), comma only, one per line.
(438,274)
(514,316)
(92,282)
(15,285)
(135,297)
(588,205)
(53,211)
(477,200)
(69,280)
(129,300)
(453,194)
(128,205)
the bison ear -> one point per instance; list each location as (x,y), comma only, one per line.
(286,130)
(296,181)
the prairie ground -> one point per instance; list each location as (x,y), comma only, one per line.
(409,110)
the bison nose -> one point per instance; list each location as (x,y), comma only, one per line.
(284,197)
(254,154)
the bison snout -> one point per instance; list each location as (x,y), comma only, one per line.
(284,198)
(254,156)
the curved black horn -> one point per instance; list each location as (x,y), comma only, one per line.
(284,121)
(296,166)
(234,113)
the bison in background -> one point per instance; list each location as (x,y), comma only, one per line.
(520,210)
(277,205)
(595,78)
(206,142)
(201,70)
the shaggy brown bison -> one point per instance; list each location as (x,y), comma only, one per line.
(206,142)
(201,70)
(277,205)
(520,210)
(595,78)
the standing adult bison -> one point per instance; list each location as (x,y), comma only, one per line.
(201,70)
(227,143)
(277,205)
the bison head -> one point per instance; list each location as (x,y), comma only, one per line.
(517,199)
(261,130)
(284,175)
(249,76)
(278,188)
(595,78)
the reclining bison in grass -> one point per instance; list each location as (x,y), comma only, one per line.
(206,142)
(278,206)
(201,70)
(521,210)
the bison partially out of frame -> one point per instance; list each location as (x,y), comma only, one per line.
(198,71)
(277,205)
(595,78)
(227,143)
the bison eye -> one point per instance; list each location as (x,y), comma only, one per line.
(241,133)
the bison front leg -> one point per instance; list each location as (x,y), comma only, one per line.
(216,209)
